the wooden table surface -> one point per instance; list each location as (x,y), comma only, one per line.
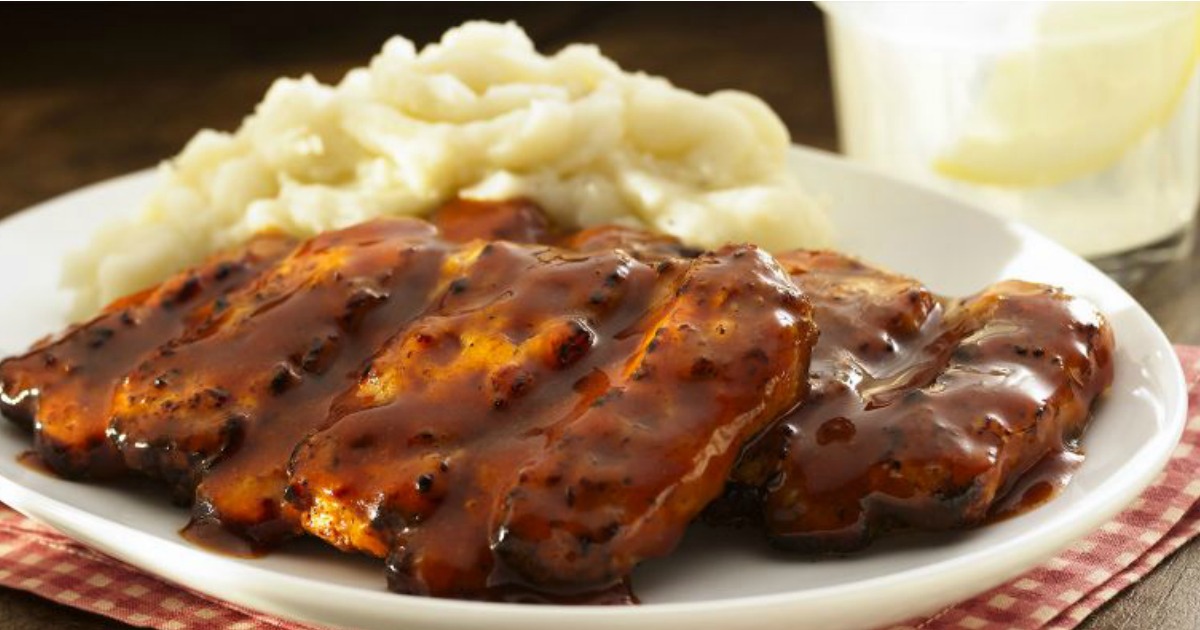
(91,93)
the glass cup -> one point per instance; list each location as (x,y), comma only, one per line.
(1080,119)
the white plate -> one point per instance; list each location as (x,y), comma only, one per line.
(718,580)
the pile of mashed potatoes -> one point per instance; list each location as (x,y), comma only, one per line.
(480,114)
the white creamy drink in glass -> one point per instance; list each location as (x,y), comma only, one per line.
(1079,119)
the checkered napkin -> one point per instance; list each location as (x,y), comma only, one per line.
(1056,595)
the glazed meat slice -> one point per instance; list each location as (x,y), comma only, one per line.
(641,244)
(924,413)
(517,220)
(558,418)
(62,388)
(523,221)
(217,412)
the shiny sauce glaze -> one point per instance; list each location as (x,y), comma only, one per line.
(556,419)
(358,293)
(62,388)
(526,423)
(924,413)
(1042,482)
(641,244)
(217,411)
(516,220)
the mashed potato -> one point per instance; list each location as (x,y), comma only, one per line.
(480,114)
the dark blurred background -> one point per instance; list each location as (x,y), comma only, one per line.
(88,92)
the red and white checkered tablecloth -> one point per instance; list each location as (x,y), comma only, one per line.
(1056,595)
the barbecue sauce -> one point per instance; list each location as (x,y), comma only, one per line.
(924,412)
(67,382)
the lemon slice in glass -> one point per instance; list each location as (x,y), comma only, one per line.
(1097,78)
